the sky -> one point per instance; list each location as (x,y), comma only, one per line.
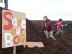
(36,9)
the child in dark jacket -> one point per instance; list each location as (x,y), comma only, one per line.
(48,29)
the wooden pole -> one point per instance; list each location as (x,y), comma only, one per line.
(14,50)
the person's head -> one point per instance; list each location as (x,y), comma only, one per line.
(45,18)
(60,20)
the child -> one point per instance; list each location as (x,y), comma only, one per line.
(48,29)
(60,27)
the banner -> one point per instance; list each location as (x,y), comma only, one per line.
(13,28)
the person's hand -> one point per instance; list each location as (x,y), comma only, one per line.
(41,31)
(66,24)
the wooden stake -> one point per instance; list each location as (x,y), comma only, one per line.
(14,50)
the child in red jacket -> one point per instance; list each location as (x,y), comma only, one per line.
(60,27)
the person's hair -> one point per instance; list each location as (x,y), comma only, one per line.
(45,17)
(60,19)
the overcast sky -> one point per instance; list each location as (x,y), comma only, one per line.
(36,9)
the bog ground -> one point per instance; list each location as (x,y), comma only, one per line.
(63,45)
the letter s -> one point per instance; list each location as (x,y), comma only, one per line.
(9,26)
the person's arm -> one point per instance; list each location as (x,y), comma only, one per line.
(43,28)
(64,25)
(55,24)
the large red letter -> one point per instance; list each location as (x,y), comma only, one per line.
(9,26)
(16,40)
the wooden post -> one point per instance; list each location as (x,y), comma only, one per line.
(14,50)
